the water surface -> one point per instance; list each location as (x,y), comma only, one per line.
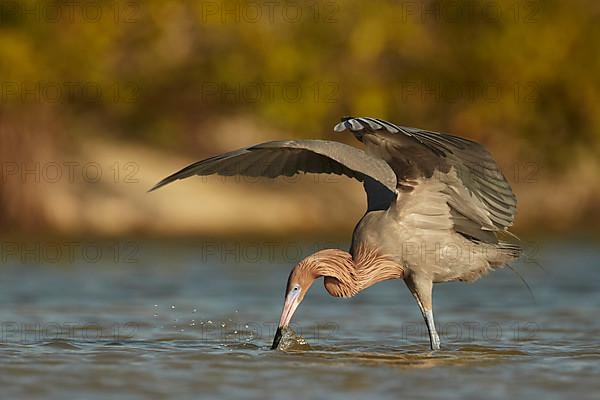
(157,320)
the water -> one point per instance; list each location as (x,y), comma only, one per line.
(157,321)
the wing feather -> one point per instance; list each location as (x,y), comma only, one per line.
(480,198)
(290,157)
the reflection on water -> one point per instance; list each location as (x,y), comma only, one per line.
(171,324)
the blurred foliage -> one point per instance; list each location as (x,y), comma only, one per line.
(160,63)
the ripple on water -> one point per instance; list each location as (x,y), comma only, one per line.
(409,356)
(60,344)
(133,344)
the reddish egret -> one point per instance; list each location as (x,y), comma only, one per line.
(438,209)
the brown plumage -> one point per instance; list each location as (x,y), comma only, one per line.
(438,208)
(345,275)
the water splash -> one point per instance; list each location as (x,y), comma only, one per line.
(291,341)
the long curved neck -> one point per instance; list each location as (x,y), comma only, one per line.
(346,275)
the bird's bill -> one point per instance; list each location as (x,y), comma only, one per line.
(291,303)
(276,339)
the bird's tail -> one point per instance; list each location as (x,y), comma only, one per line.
(510,251)
(508,246)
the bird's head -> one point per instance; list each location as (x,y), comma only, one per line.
(332,264)
(300,280)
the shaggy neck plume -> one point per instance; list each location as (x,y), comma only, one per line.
(345,275)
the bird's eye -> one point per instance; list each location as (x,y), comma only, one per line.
(295,289)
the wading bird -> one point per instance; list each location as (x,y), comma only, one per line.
(438,208)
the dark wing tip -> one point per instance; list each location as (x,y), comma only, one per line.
(160,184)
(183,173)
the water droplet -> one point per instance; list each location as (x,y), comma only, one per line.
(172,307)
(209,321)
(195,310)
(222,325)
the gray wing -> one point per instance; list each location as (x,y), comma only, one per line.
(290,157)
(480,199)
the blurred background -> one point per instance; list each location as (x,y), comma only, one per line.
(178,291)
(101,99)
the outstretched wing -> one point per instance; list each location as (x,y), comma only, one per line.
(290,157)
(480,199)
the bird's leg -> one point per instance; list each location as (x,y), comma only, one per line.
(422,291)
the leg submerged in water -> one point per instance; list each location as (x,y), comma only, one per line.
(422,291)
